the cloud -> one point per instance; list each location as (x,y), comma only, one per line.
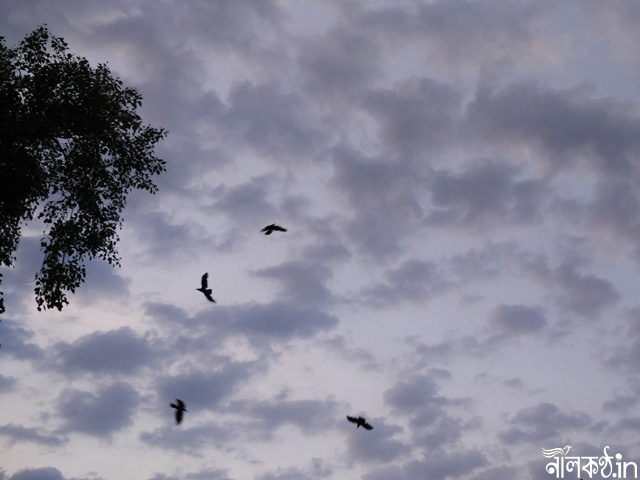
(15,341)
(308,415)
(517,319)
(18,434)
(483,192)
(430,424)
(301,281)
(414,394)
(7,383)
(459,38)
(45,473)
(436,466)
(413,280)
(191,437)
(317,469)
(541,423)
(568,126)
(108,410)
(120,351)
(247,201)
(206,388)
(377,445)
(270,120)
(585,295)
(416,117)
(281,321)
(338,67)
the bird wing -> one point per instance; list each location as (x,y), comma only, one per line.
(178,415)
(352,419)
(268,227)
(181,404)
(279,228)
(209,297)
(204,280)
(367,426)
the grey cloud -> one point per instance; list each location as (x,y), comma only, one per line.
(317,469)
(585,295)
(567,125)
(339,66)
(18,434)
(498,473)
(234,26)
(15,341)
(189,439)
(485,191)
(201,389)
(162,237)
(281,320)
(431,426)
(120,351)
(408,397)
(467,35)
(518,319)
(7,383)
(620,403)
(328,250)
(99,414)
(627,354)
(310,416)
(209,474)
(438,466)
(481,264)
(417,117)
(615,207)
(382,195)
(247,201)
(45,473)
(413,280)
(300,281)
(374,184)
(338,345)
(379,448)
(272,121)
(542,423)
(102,284)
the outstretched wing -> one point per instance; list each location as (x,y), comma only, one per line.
(207,294)
(367,426)
(279,228)
(352,419)
(178,415)
(204,280)
(268,228)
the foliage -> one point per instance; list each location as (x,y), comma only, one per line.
(71,148)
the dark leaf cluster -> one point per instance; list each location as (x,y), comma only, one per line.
(72,146)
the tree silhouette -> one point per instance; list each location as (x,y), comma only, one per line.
(71,148)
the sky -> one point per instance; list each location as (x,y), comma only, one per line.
(460,184)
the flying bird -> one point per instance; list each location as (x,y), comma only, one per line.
(269,229)
(361,421)
(205,288)
(180,407)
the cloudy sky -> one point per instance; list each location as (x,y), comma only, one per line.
(460,182)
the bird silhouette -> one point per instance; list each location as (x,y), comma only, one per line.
(269,229)
(361,421)
(205,288)
(180,407)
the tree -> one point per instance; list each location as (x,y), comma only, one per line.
(71,148)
